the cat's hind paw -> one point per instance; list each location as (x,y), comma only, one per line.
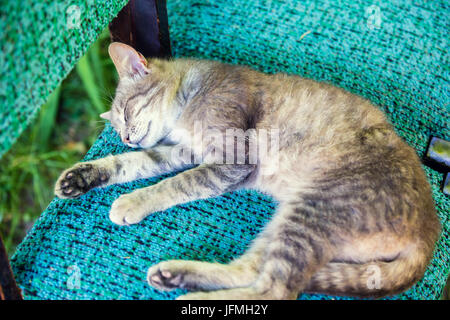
(164,280)
(172,274)
(164,276)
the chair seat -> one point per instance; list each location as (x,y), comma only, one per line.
(392,54)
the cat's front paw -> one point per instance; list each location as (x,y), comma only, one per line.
(128,209)
(79,179)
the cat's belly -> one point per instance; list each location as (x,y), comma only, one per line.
(287,173)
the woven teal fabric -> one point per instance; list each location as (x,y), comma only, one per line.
(40,42)
(393,54)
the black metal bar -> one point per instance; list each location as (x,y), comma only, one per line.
(143,24)
(8,286)
(164,37)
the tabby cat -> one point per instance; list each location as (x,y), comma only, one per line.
(355,214)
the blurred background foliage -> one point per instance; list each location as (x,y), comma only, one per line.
(66,126)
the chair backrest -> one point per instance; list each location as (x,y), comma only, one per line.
(40,43)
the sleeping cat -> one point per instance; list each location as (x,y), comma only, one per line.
(355,214)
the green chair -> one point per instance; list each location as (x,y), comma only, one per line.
(394,54)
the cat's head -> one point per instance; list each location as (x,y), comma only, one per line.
(141,111)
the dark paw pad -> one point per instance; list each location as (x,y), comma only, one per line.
(80,180)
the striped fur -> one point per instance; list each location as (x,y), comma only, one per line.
(356,216)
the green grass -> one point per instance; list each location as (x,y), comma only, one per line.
(67,125)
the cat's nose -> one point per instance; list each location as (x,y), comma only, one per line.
(126,139)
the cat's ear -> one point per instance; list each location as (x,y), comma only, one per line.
(106,115)
(128,62)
